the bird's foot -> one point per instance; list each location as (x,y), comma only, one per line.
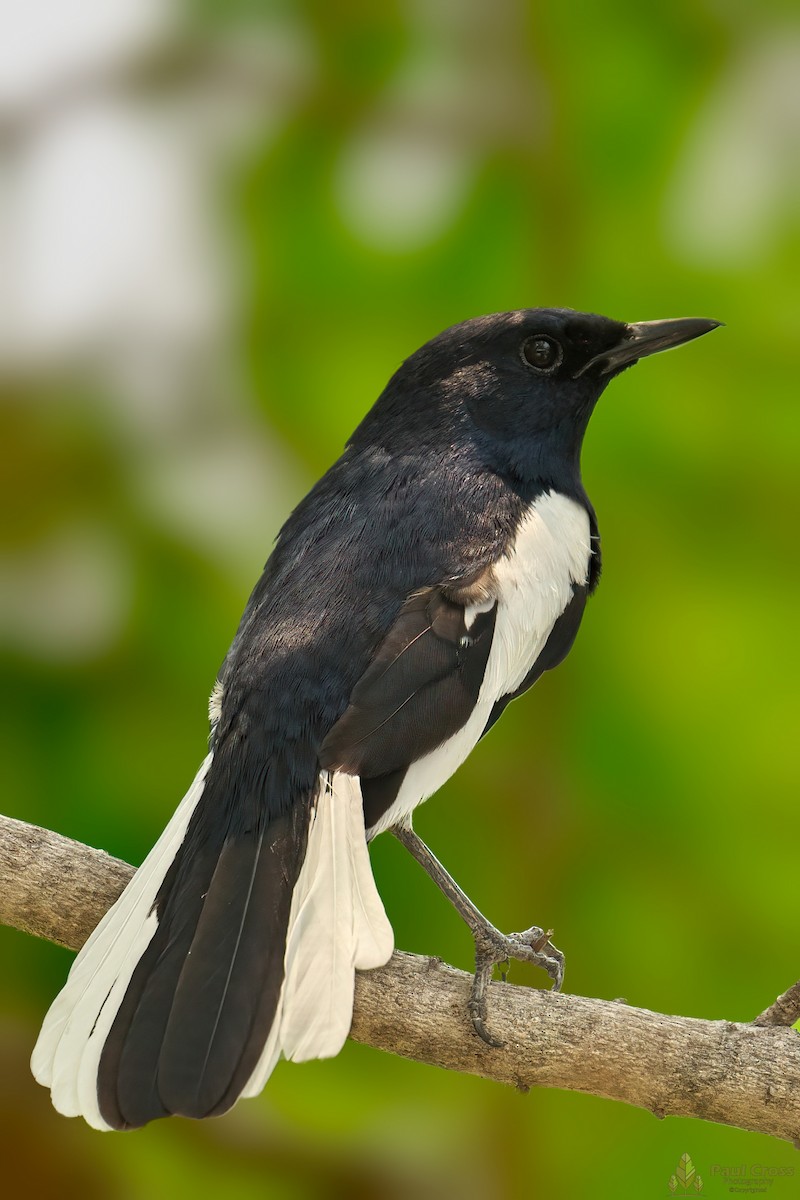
(492,949)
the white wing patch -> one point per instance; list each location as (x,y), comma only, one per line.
(551,552)
(534,581)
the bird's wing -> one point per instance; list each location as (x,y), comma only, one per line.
(421,684)
(554,651)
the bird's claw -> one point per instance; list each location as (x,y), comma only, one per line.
(492,949)
(476,1007)
(539,950)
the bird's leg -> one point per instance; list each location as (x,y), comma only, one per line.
(491,946)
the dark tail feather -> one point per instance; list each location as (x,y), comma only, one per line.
(203,998)
(236,940)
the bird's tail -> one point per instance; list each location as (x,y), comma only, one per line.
(225,950)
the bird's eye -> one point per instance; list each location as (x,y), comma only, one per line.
(542,352)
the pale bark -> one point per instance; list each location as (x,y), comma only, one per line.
(736,1074)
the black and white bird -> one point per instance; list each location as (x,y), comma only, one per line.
(437,569)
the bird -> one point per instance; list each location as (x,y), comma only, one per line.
(433,574)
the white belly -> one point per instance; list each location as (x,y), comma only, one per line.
(551,552)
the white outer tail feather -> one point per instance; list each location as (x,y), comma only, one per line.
(67,1053)
(337,924)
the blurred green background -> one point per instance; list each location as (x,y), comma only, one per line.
(227,233)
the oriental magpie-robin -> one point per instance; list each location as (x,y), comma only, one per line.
(431,576)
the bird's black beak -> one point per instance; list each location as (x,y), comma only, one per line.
(648,337)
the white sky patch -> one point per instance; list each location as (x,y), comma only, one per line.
(400,189)
(67,597)
(406,173)
(105,235)
(49,45)
(116,271)
(225,494)
(738,181)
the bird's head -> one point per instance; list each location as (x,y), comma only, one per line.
(522,385)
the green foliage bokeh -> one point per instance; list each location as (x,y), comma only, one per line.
(642,800)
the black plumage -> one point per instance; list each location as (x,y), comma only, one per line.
(419,689)
(363,649)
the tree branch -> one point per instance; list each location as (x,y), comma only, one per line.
(735,1074)
(785,1010)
